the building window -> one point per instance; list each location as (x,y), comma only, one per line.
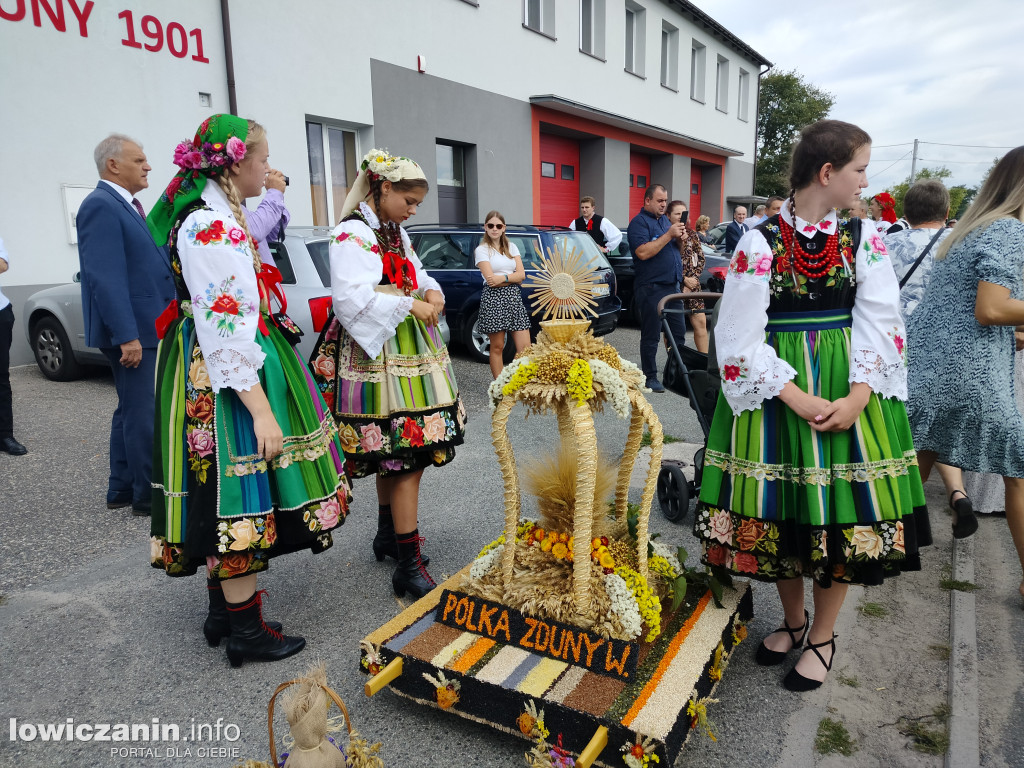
(636,38)
(743,108)
(641,182)
(332,169)
(722,85)
(451,165)
(547,170)
(669,56)
(592,27)
(539,15)
(698,74)
(568,173)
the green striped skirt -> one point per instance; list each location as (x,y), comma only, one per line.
(216,502)
(399,412)
(779,500)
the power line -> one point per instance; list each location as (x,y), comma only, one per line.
(972,146)
(885,146)
(879,173)
(962,162)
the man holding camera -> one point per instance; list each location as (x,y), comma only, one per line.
(270,218)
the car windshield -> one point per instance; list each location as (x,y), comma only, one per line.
(583,243)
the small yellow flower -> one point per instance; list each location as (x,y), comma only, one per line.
(559,550)
(607,561)
(546,545)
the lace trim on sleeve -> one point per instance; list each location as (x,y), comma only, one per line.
(887,379)
(746,392)
(386,326)
(230,369)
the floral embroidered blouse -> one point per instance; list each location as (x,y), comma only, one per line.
(370,316)
(757,284)
(216,261)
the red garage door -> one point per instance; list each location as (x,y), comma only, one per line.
(639,180)
(559,180)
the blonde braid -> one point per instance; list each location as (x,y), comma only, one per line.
(235,201)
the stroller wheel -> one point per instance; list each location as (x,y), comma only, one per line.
(673,493)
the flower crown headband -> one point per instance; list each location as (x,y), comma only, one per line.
(206,156)
(378,164)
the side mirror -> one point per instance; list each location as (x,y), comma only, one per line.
(77,278)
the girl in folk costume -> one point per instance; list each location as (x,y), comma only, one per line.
(247,462)
(381,361)
(810,467)
(883,211)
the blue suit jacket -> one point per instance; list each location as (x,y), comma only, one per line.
(733,233)
(126,277)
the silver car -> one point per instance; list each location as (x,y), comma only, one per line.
(56,329)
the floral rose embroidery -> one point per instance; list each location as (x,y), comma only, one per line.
(329,400)
(235,563)
(744,562)
(730,372)
(201,408)
(739,262)
(750,532)
(433,427)
(897,538)
(349,439)
(236,235)
(270,531)
(413,432)
(763,266)
(898,341)
(721,526)
(225,303)
(198,375)
(372,438)
(213,233)
(717,555)
(328,514)
(244,534)
(324,366)
(866,541)
(200,442)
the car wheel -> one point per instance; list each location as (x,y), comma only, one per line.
(53,352)
(478,344)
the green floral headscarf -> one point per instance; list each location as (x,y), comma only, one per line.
(218,144)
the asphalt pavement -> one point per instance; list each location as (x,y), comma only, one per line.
(89,631)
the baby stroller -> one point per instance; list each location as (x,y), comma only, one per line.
(695,376)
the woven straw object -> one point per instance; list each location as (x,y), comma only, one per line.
(576,424)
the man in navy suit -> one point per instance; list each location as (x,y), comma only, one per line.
(126,284)
(736,228)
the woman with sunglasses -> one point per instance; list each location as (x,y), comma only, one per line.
(501,303)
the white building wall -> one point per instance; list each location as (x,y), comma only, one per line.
(63,91)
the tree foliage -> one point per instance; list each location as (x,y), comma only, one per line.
(787,103)
(960,196)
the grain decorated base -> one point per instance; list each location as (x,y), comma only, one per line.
(489,663)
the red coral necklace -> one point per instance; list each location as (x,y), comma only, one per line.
(809,265)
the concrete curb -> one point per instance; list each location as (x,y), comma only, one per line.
(964,746)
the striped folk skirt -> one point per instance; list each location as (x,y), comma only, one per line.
(779,500)
(399,412)
(216,502)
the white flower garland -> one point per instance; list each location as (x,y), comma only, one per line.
(384,164)
(483,565)
(494,390)
(615,388)
(623,604)
(661,549)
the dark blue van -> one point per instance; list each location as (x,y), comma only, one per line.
(446,251)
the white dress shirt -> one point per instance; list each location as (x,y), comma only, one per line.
(612,234)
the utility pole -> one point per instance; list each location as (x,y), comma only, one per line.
(913,164)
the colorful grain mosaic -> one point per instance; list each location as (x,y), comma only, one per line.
(479,676)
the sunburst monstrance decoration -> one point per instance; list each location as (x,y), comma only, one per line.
(565,286)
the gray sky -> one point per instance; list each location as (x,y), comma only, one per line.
(935,70)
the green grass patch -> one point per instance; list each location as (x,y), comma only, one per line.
(849,680)
(954,585)
(928,733)
(833,738)
(645,442)
(942,651)
(874,610)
